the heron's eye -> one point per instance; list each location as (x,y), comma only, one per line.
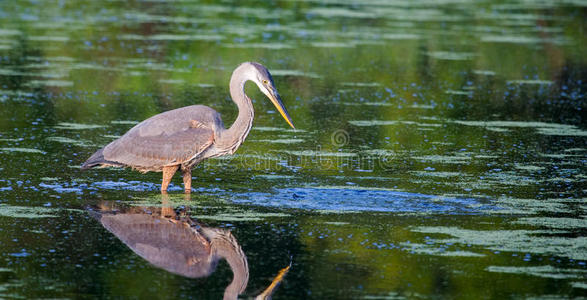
(265,81)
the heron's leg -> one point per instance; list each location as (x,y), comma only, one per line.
(167,175)
(187,180)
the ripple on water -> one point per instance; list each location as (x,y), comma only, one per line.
(343,199)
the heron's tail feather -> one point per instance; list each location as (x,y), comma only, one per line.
(97,160)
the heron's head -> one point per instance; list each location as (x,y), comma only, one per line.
(262,78)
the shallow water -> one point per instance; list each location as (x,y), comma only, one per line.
(440,148)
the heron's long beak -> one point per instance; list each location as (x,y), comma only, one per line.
(276,99)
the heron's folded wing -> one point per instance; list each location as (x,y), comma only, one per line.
(154,151)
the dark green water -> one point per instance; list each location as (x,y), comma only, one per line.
(440,151)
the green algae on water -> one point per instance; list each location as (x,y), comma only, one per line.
(318,153)
(529,167)
(77,126)
(68,141)
(437,251)
(543,242)
(241,216)
(280,141)
(546,271)
(444,159)
(445,55)
(559,223)
(124,122)
(274,177)
(54,83)
(23,150)
(437,174)
(294,73)
(26,212)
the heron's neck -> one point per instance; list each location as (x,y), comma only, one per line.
(236,134)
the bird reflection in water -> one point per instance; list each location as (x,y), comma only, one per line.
(176,243)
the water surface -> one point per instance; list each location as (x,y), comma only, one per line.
(440,148)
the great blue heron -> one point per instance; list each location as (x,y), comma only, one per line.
(183,137)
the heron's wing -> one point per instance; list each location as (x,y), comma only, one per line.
(172,137)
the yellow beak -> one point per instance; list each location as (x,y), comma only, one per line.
(276,100)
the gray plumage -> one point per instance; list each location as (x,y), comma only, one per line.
(183,137)
(165,139)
